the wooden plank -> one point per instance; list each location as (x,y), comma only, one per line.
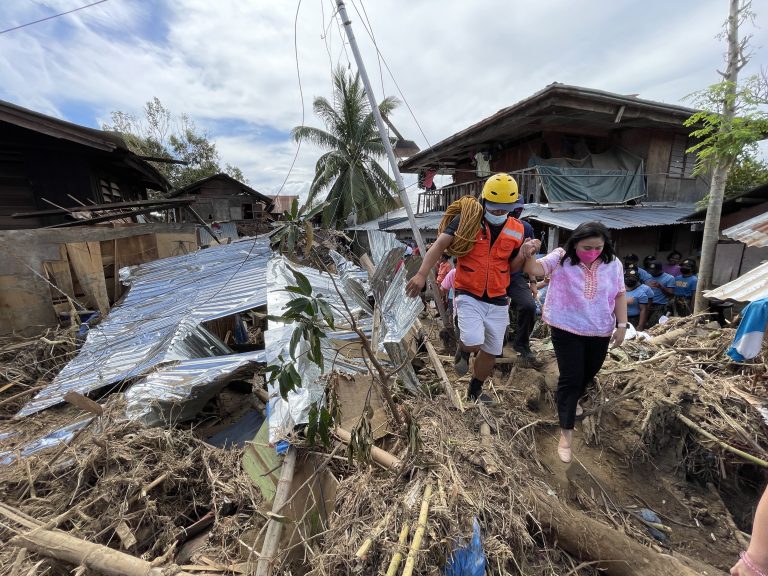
(86,262)
(351,392)
(136,250)
(175,244)
(60,273)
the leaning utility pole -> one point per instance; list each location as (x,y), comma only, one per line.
(391,156)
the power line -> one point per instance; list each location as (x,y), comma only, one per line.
(51,17)
(301,94)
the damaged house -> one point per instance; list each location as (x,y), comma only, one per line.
(56,177)
(578,155)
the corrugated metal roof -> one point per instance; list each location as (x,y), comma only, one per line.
(748,287)
(398,220)
(753,232)
(221,229)
(615,218)
(159,319)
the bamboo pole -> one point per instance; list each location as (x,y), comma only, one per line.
(379,456)
(410,562)
(275,527)
(394,564)
(72,550)
(363,550)
(692,425)
(437,363)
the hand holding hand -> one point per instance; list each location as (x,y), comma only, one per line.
(415,285)
(740,569)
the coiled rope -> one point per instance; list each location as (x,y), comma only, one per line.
(471,212)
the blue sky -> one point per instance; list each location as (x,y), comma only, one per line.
(230,64)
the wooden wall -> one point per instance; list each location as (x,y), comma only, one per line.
(40,270)
(34,167)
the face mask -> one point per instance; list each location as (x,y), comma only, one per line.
(588,256)
(494,219)
(631,283)
(684,270)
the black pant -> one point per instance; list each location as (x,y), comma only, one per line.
(579,359)
(521,299)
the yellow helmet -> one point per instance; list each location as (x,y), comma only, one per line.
(500,190)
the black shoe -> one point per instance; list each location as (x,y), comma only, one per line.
(475,392)
(461,362)
(528,359)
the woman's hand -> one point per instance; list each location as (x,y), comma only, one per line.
(530,247)
(741,569)
(617,338)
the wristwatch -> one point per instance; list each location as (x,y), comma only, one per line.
(621,325)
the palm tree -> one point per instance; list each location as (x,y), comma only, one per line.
(349,171)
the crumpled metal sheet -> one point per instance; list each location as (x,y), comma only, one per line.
(178,392)
(159,319)
(381,243)
(285,415)
(398,311)
(354,279)
(50,440)
(279,276)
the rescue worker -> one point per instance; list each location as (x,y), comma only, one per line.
(685,288)
(482,278)
(663,286)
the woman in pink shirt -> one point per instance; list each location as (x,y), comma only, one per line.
(585,300)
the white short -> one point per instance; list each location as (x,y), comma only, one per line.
(481,324)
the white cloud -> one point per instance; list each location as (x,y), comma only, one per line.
(228,61)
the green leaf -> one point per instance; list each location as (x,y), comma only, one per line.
(294,290)
(312,424)
(327,312)
(295,339)
(317,353)
(286,384)
(295,208)
(302,281)
(324,427)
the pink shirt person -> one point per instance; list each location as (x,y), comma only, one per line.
(581,300)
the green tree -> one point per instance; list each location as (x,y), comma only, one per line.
(159,135)
(355,182)
(729,122)
(747,173)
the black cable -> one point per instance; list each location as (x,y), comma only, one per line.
(301,93)
(51,17)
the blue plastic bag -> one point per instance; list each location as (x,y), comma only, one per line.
(468,560)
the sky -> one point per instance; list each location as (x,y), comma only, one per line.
(247,71)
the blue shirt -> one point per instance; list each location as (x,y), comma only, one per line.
(686,287)
(644,275)
(640,296)
(648,292)
(666,280)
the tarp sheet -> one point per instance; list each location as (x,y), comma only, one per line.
(613,177)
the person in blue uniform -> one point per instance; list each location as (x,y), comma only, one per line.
(637,299)
(663,286)
(685,288)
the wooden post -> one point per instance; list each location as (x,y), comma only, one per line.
(275,527)
(101,559)
(377,454)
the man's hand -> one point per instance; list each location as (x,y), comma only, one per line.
(653,284)
(415,285)
(530,247)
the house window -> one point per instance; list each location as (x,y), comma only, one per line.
(666,239)
(110,191)
(247,211)
(681,164)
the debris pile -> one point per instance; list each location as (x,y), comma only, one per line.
(669,456)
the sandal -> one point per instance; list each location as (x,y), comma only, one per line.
(565,454)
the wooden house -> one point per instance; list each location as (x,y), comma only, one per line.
(580,152)
(47,163)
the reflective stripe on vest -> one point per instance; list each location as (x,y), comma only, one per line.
(486,268)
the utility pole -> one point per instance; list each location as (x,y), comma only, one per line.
(391,156)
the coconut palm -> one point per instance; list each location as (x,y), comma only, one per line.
(355,182)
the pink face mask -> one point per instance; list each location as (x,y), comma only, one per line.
(588,256)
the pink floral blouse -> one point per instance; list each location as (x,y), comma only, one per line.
(580,300)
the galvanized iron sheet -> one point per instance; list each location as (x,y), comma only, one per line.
(159,319)
(752,232)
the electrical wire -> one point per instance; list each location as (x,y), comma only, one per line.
(51,17)
(301,94)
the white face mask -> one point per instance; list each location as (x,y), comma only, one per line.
(494,219)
